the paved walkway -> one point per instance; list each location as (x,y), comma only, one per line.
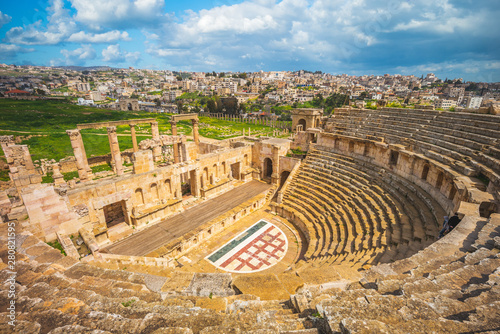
(146,241)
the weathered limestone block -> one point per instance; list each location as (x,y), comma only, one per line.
(299,302)
(89,239)
(358,326)
(265,286)
(68,245)
(208,284)
(143,162)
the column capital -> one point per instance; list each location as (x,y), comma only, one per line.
(132,125)
(111,129)
(173,123)
(195,121)
(7,139)
(73,134)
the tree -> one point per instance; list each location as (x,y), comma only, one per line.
(179,78)
(363,95)
(211,106)
(318,101)
(230,104)
(242,75)
(335,100)
(180,106)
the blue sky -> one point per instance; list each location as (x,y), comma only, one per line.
(459,38)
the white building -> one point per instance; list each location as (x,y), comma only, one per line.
(445,104)
(83,102)
(474,102)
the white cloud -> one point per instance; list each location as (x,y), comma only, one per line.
(60,28)
(324,33)
(10,50)
(114,54)
(86,52)
(110,36)
(118,13)
(4,19)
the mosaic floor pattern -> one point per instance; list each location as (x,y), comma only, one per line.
(259,247)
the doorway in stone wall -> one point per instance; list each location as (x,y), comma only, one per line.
(268,168)
(236,170)
(114,213)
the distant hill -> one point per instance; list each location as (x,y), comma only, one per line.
(85,68)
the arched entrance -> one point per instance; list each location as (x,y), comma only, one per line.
(268,167)
(303,123)
(129,107)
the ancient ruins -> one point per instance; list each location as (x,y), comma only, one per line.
(245,236)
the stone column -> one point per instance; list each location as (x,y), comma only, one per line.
(195,182)
(196,136)
(115,150)
(80,156)
(56,175)
(177,186)
(173,124)
(156,137)
(87,167)
(134,138)
(275,176)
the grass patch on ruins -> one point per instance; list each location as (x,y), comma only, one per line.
(48,178)
(55,244)
(128,303)
(70,175)
(101,168)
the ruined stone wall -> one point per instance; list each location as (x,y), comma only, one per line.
(158,190)
(205,148)
(69,164)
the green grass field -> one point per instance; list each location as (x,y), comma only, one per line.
(50,119)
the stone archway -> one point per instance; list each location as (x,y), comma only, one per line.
(268,167)
(303,123)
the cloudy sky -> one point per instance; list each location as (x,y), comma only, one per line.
(452,38)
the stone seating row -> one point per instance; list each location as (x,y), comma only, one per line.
(471,140)
(413,192)
(348,213)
